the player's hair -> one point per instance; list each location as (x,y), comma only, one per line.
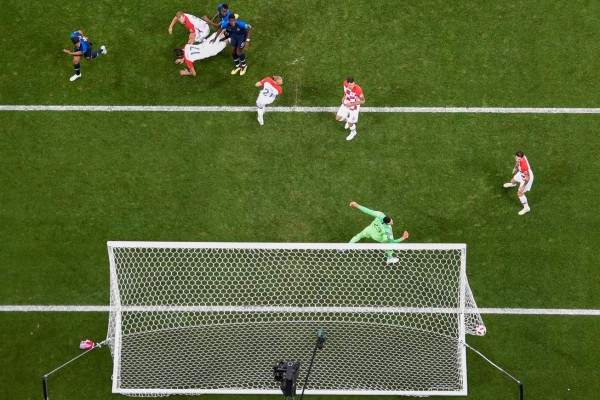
(225,6)
(178,53)
(277,78)
(179,14)
(520,153)
(232,16)
(386,220)
(75,40)
(350,79)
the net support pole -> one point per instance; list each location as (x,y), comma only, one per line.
(318,345)
(45,377)
(521,389)
(45,386)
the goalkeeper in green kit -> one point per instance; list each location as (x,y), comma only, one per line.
(380,230)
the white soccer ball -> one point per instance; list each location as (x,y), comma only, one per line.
(480,330)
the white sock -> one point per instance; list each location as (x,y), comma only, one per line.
(523,200)
(353,128)
(261,112)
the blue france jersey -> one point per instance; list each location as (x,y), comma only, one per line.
(239,29)
(84,44)
(221,16)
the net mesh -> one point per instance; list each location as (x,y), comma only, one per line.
(202,320)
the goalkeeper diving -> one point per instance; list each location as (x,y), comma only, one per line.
(380,230)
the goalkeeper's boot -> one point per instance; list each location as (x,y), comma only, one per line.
(75,77)
(392,260)
(509,185)
(103,48)
(525,210)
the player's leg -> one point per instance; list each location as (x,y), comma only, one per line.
(77,67)
(235,55)
(202,33)
(261,103)
(389,253)
(513,181)
(96,53)
(352,120)
(342,113)
(521,193)
(242,52)
(364,234)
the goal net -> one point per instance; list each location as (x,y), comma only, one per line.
(195,318)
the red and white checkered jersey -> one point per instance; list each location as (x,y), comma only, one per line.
(524,166)
(270,88)
(193,23)
(354,95)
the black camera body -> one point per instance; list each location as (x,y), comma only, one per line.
(287,373)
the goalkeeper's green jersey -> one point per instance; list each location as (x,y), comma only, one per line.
(379,230)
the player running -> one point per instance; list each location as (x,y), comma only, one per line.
(380,230)
(351,101)
(82,47)
(271,88)
(199,29)
(195,52)
(524,177)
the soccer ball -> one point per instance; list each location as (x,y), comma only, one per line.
(480,330)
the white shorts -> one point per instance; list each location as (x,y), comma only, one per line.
(202,33)
(351,115)
(263,100)
(519,178)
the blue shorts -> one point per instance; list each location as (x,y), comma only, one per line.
(238,42)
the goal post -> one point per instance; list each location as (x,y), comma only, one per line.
(198,318)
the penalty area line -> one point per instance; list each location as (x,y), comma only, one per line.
(505,311)
(431,110)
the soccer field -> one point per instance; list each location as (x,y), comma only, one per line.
(73,180)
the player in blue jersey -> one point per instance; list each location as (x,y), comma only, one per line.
(82,47)
(222,13)
(239,35)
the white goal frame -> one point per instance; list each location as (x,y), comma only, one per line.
(466,310)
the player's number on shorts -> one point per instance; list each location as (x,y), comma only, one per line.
(268,93)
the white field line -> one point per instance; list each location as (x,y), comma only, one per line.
(434,110)
(511,311)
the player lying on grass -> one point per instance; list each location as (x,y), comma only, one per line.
(195,52)
(197,27)
(380,230)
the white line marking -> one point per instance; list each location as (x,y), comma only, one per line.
(434,110)
(511,311)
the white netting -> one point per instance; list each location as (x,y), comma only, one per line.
(190,318)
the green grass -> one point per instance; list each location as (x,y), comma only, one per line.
(71,181)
